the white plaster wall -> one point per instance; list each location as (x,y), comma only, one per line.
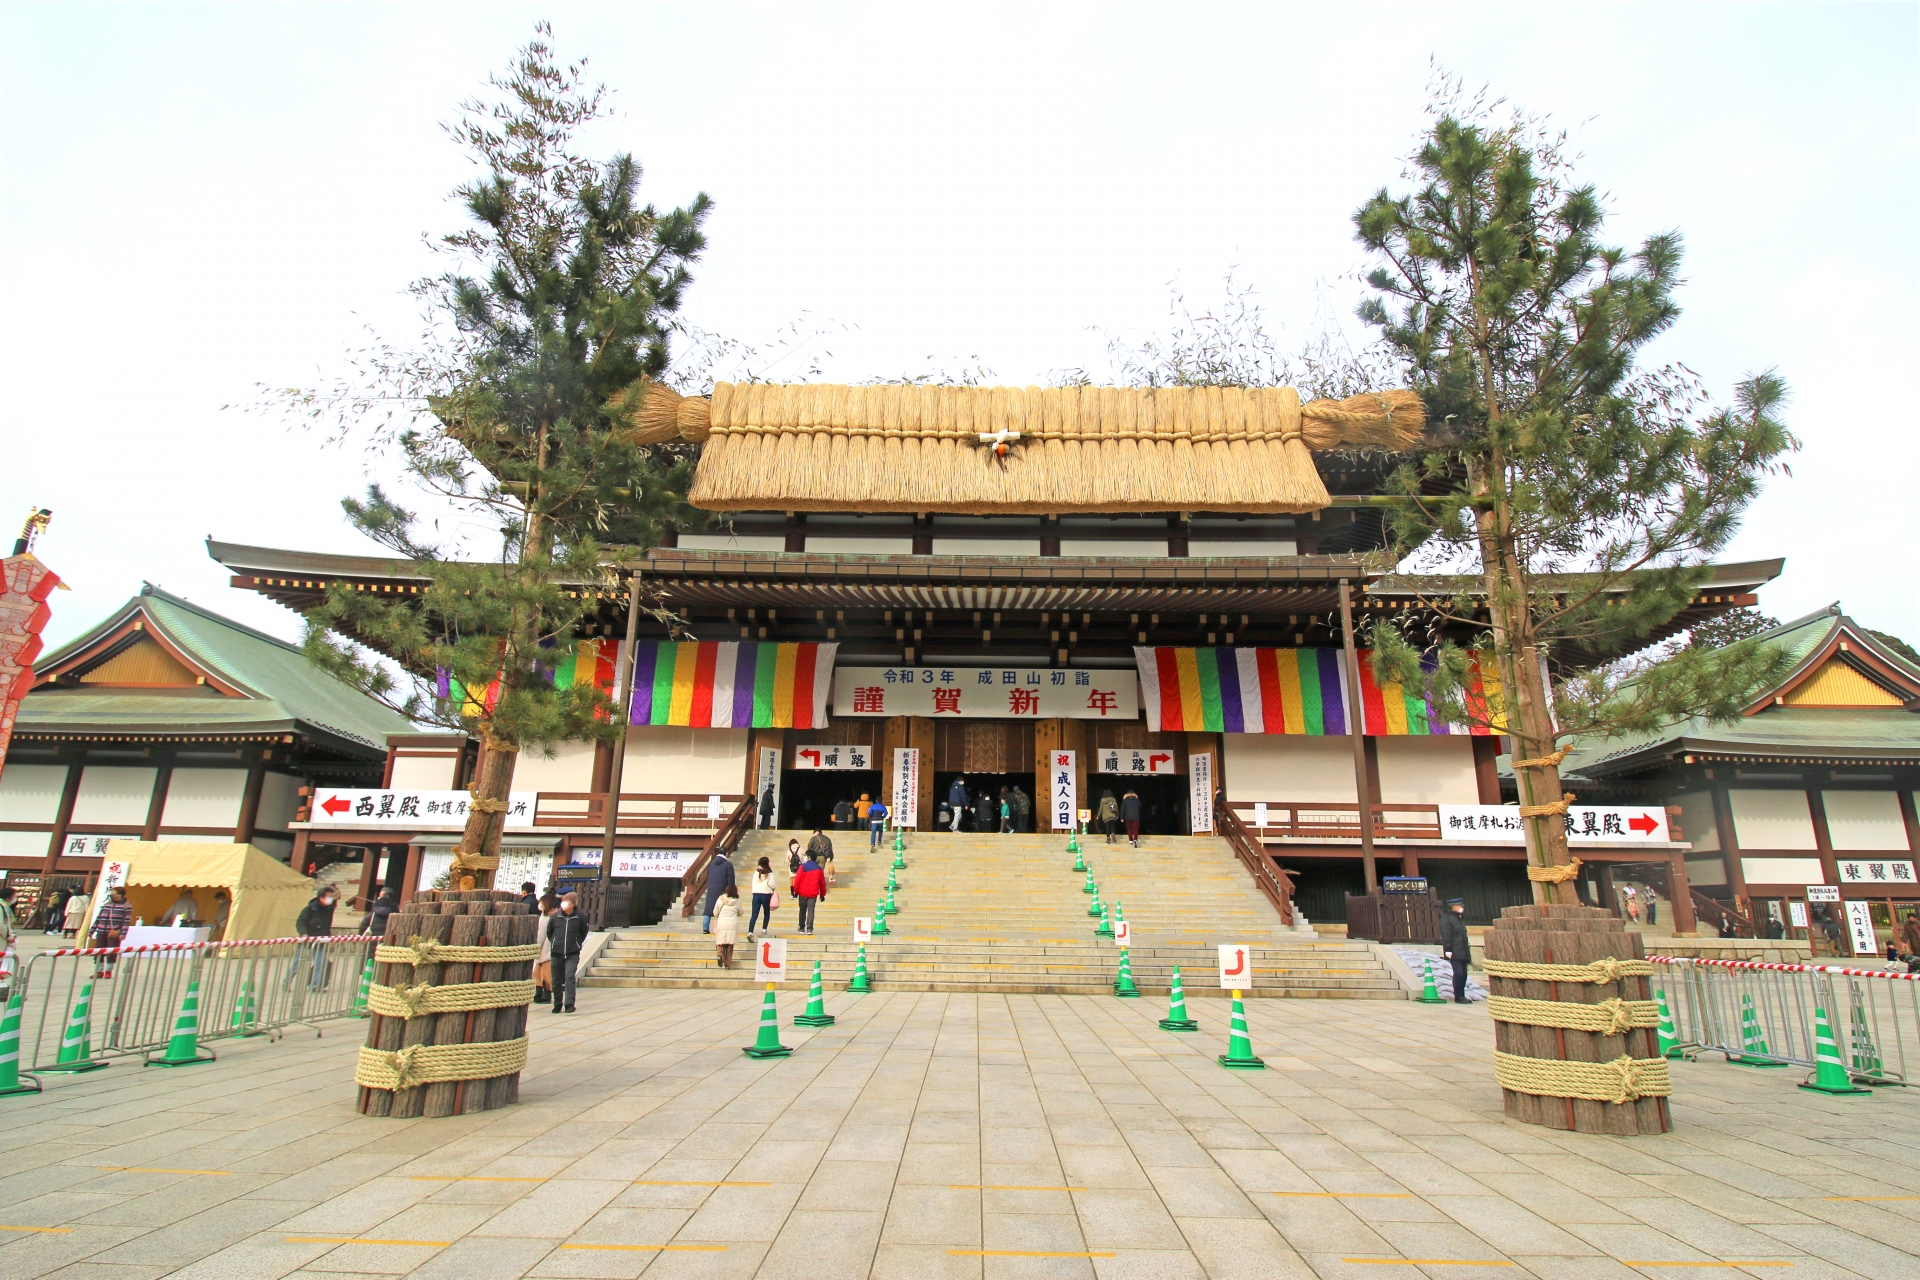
(1275,547)
(730,542)
(1866,821)
(1112,547)
(1782,871)
(24,844)
(279,800)
(862,546)
(1703,872)
(31,793)
(1696,820)
(114,794)
(1436,770)
(1287,767)
(1772,820)
(986,546)
(570,769)
(204,798)
(412,773)
(664,758)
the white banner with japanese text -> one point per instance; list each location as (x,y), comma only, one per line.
(1586,824)
(906,788)
(1063,789)
(999,692)
(833,757)
(1132,760)
(425,810)
(1860,929)
(1876,871)
(1200,791)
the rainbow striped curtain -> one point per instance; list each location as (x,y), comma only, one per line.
(583,662)
(728,684)
(1302,691)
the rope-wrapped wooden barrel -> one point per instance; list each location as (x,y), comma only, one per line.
(452,983)
(1575,1039)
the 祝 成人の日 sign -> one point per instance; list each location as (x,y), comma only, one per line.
(425,810)
(1586,824)
(1063,789)
(998,692)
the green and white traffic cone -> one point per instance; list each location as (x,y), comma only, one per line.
(1106,925)
(1429,993)
(767,1043)
(893,880)
(1829,1073)
(1089,887)
(893,908)
(1118,914)
(11,1078)
(1123,983)
(1177,1019)
(1754,1041)
(366,985)
(899,840)
(1669,1038)
(1080,862)
(244,1012)
(183,1049)
(816,1014)
(860,980)
(76,1040)
(880,929)
(1073,845)
(880,908)
(1095,909)
(1863,1052)
(1239,1054)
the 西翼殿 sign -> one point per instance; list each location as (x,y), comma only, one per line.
(425,810)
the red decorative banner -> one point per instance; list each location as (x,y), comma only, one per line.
(23,612)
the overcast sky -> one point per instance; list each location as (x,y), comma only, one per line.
(197,199)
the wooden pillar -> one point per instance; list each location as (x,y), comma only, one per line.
(157,806)
(297,857)
(1486,771)
(1609,896)
(1356,728)
(1729,847)
(1822,837)
(62,819)
(1680,896)
(1409,863)
(370,856)
(250,801)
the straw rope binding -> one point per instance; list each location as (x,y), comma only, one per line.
(1608,1018)
(424,998)
(1554,875)
(420,951)
(1546,810)
(1543,762)
(433,1063)
(1620,1081)
(1608,969)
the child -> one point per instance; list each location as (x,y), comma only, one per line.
(726,926)
(543,968)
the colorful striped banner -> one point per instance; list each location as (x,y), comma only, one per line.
(728,684)
(1300,691)
(582,662)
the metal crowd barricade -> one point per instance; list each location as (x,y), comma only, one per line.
(1755,1011)
(136,993)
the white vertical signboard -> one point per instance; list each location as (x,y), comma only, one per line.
(769,777)
(770,960)
(1200,791)
(1860,928)
(1063,790)
(1236,967)
(906,788)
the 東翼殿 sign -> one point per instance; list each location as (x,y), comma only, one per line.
(1037,693)
(1586,824)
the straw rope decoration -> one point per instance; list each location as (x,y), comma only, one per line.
(425,998)
(420,951)
(1561,805)
(1620,1081)
(830,447)
(1544,762)
(1606,969)
(1554,875)
(433,1063)
(1608,1018)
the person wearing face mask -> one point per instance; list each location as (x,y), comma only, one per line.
(566,935)
(315,923)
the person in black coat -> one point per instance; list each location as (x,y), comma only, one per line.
(766,809)
(383,906)
(1455,945)
(1130,814)
(720,878)
(566,935)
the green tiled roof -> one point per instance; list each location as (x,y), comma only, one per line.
(286,693)
(1869,733)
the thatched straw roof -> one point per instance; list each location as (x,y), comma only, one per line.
(1093,449)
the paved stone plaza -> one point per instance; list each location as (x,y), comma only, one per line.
(937,1136)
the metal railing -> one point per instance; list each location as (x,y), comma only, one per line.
(723,841)
(123,1001)
(1761,1013)
(1273,882)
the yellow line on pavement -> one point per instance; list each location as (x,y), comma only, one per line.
(425,1177)
(653,1248)
(420,1244)
(52,1231)
(1432,1262)
(702,1184)
(1019,1253)
(1344,1195)
(202,1173)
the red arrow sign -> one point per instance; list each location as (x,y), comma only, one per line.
(1643,823)
(1153,760)
(334,806)
(1239,964)
(766,956)
(813,755)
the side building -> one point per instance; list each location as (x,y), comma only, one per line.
(169,722)
(1061,592)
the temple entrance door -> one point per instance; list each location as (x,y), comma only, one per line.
(807,796)
(1163,800)
(987,785)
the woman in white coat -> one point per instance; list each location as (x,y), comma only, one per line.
(726,926)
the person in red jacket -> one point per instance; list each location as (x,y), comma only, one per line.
(809,889)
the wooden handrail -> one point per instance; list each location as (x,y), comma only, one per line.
(1726,919)
(1341,819)
(1273,882)
(724,840)
(579,808)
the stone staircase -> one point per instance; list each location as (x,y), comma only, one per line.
(1005,913)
